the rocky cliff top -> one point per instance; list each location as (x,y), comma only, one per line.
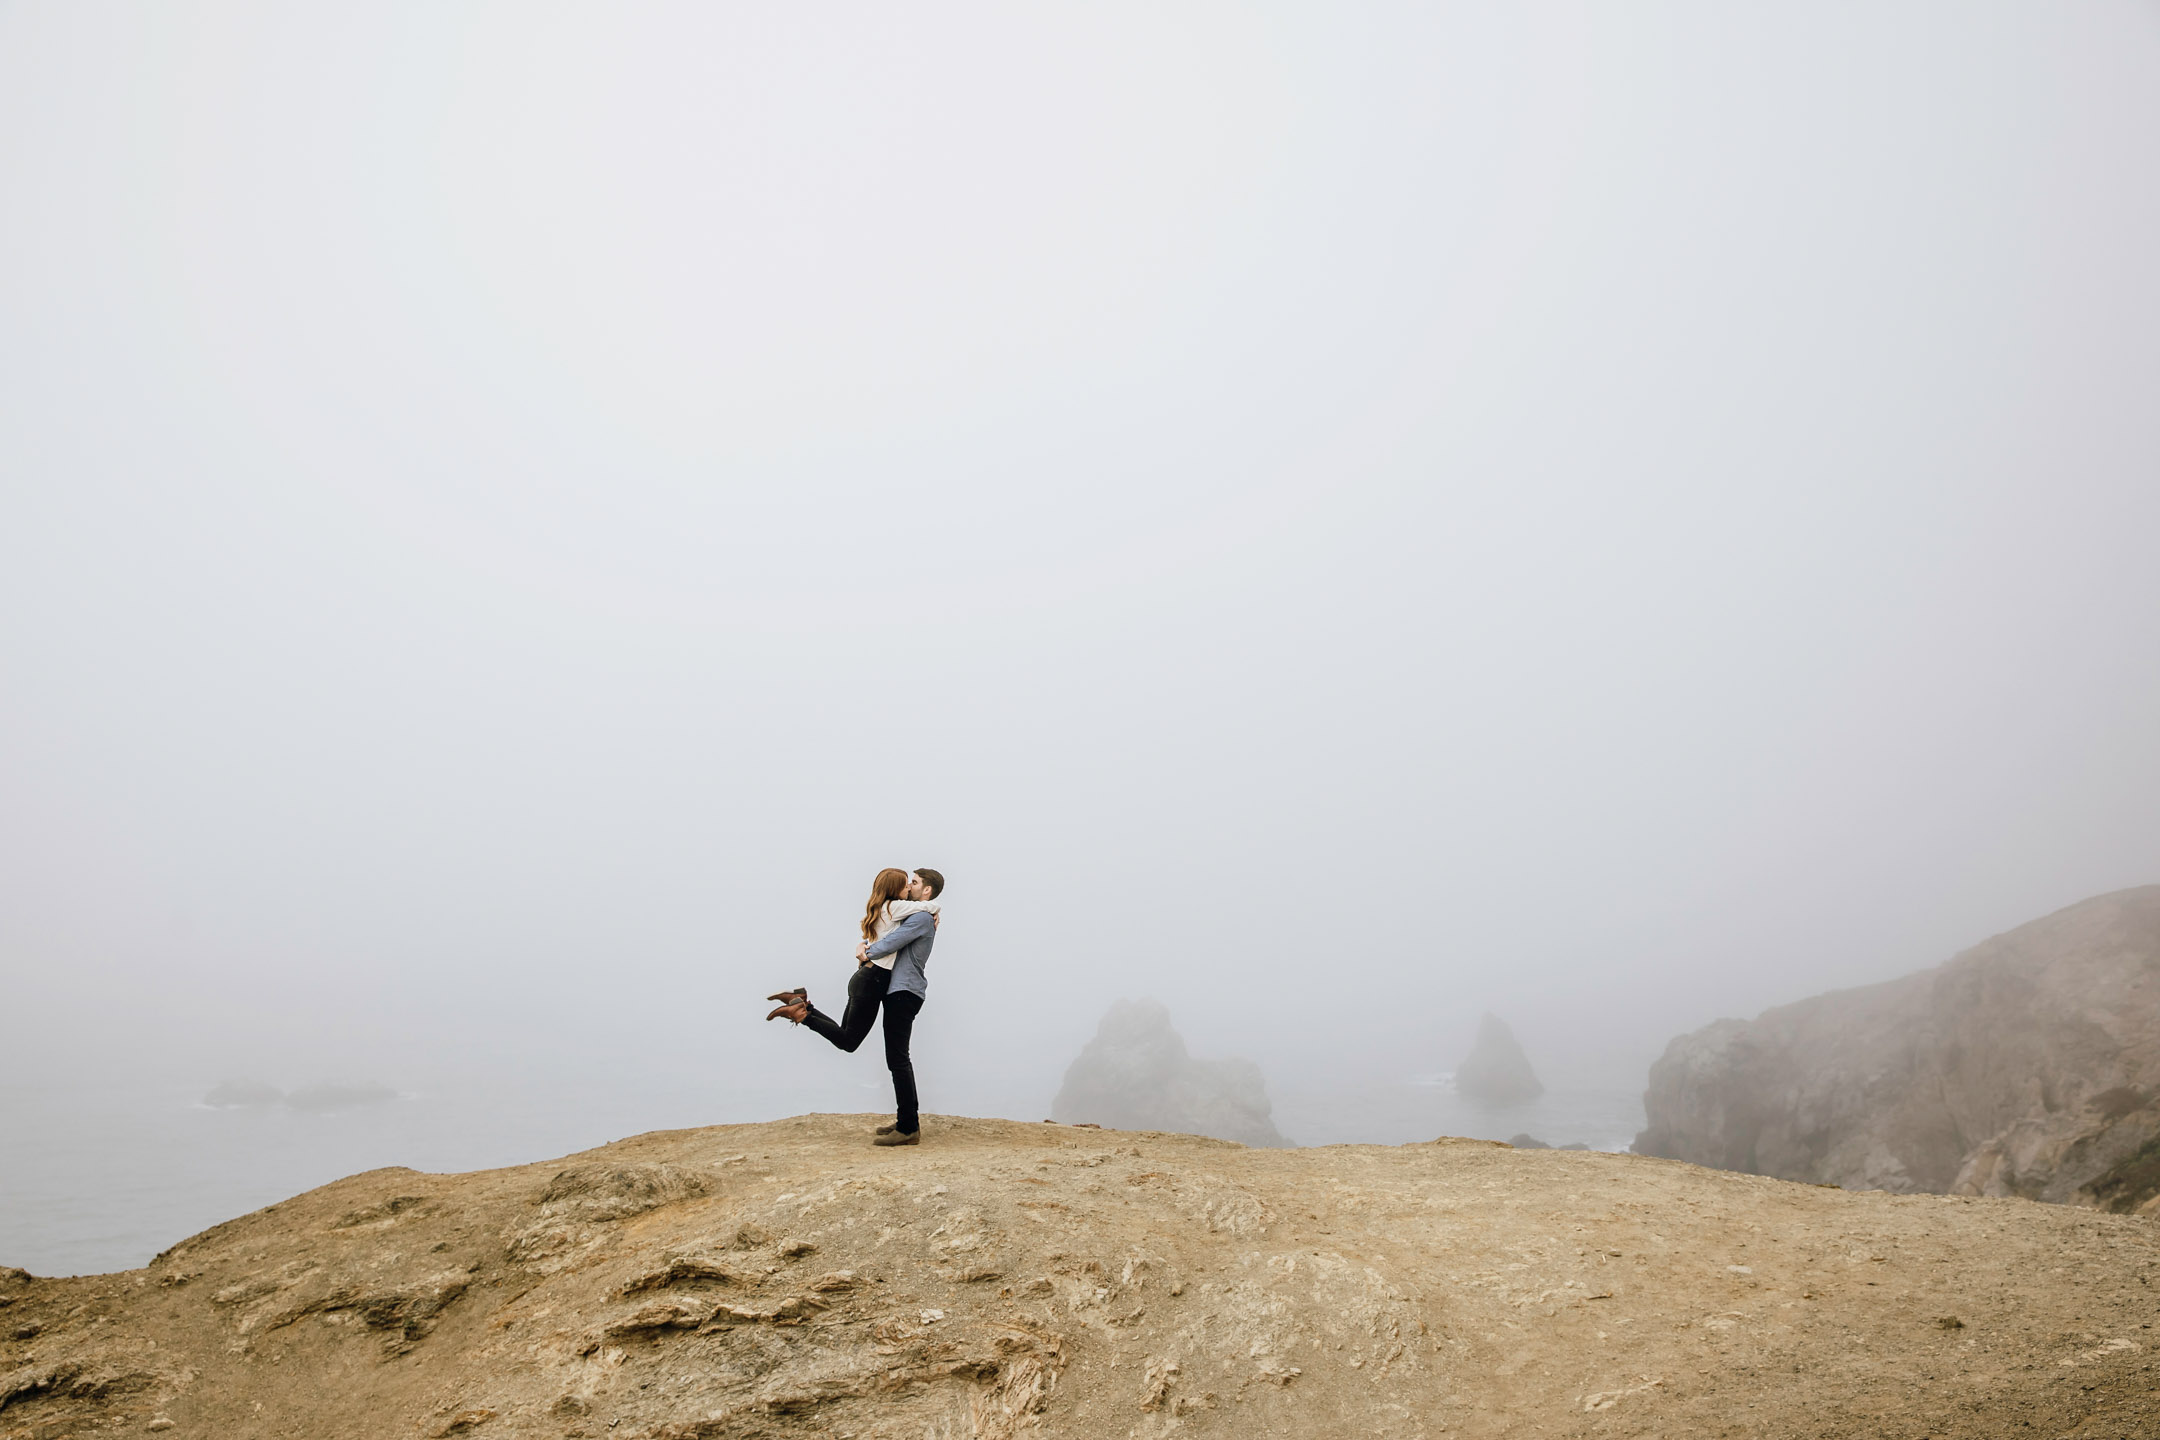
(1007,1279)
(2028,1065)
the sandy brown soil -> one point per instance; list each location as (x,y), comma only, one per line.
(1007,1279)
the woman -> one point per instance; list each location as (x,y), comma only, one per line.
(898,928)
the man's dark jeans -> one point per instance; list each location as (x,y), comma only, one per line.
(864,992)
(901,1008)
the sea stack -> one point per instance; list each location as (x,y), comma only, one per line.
(1137,1075)
(233,1094)
(1497,1072)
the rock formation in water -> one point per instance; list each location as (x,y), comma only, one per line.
(1497,1072)
(234,1094)
(1136,1075)
(1007,1281)
(2029,1066)
(1527,1141)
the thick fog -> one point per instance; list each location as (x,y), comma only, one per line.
(1335,518)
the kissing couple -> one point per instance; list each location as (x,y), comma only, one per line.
(899,926)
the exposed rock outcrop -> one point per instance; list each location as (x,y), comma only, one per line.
(1497,1072)
(1527,1141)
(2029,1066)
(1137,1075)
(1006,1281)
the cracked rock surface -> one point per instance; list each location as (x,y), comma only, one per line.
(1006,1279)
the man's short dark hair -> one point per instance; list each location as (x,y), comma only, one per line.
(935,881)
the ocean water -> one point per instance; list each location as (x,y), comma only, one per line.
(101,1177)
(1425,1107)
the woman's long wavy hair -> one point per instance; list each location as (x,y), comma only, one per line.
(887,886)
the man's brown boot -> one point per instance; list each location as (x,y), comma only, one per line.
(795,996)
(798,1012)
(890,1136)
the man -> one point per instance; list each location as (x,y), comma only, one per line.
(909,944)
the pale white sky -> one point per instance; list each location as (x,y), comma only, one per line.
(1337,517)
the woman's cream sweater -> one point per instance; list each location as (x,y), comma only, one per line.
(895,912)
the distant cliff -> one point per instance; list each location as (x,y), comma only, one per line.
(2028,1066)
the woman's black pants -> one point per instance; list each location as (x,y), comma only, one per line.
(864,991)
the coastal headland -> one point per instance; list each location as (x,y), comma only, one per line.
(1009,1279)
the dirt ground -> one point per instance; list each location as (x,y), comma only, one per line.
(1007,1279)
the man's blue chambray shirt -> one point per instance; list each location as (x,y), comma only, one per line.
(909,944)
